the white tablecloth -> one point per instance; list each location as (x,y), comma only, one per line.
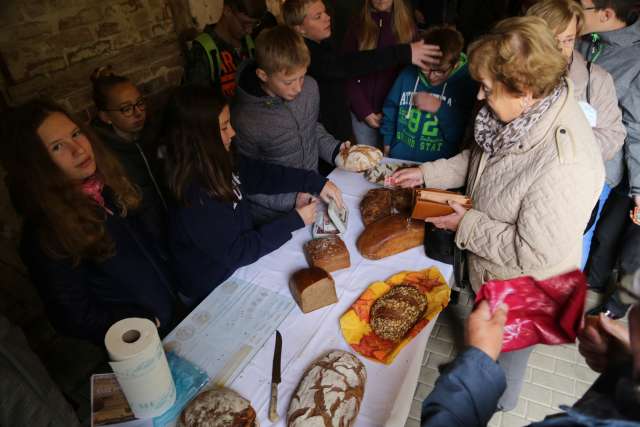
(389,390)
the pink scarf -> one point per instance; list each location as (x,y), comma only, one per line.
(92,187)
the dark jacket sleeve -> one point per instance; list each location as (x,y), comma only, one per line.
(260,177)
(328,64)
(466,394)
(225,242)
(72,308)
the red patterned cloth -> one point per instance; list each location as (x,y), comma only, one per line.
(540,312)
(92,187)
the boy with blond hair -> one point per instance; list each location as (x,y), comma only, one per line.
(276,115)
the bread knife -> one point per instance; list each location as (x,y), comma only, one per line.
(275,380)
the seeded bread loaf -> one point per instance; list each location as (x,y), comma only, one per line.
(330,392)
(329,253)
(312,288)
(220,407)
(389,236)
(397,311)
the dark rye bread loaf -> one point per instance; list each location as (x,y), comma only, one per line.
(379,203)
(329,393)
(220,407)
(397,311)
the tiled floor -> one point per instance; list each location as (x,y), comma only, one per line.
(556,375)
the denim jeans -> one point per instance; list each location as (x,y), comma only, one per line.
(588,236)
(365,134)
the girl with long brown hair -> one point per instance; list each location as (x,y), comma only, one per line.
(379,24)
(90,256)
(211,233)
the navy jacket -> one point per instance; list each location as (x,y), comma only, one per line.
(332,69)
(210,239)
(85,300)
(467,394)
(140,161)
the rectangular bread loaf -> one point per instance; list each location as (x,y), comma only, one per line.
(329,253)
(312,288)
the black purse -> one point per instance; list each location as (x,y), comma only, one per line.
(440,245)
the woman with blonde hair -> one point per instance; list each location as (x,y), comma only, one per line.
(534,172)
(596,94)
(379,24)
(91,256)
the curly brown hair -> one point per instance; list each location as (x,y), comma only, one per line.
(67,222)
(520,53)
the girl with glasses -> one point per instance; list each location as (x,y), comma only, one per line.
(121,123)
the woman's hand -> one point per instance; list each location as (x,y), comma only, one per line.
(407,178)
(329,192)
(424,55)
(603,341)
(451,221)
(484,330)
(308,212)
(426,102)
(303,199)
(373,120)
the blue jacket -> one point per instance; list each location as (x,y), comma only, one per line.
(467,394)
(423,136)
(85,300)
(210,239)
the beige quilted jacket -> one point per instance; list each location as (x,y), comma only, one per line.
(531,201)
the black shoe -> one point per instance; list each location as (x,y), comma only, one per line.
(612,308)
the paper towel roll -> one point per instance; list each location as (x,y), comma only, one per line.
(141,367)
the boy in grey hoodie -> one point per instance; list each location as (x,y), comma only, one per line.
(613,42)
(275,114)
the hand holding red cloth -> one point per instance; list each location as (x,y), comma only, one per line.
(540,311)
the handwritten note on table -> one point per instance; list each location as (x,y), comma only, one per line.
(228,328)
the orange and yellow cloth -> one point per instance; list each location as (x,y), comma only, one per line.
(355,324)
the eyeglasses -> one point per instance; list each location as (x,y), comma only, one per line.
(437,73)
(589,8)
(246,21)
(127,110)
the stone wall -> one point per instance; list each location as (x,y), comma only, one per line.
(50,47)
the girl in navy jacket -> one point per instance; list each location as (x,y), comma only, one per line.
(210,229)
(90,256)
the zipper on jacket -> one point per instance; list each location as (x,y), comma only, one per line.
(153,179)
(293,116)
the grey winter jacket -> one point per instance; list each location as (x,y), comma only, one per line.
(596,87)
(283,132)
(620,56)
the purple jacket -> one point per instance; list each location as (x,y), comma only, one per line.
(366,94)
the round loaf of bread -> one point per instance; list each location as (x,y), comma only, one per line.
(397,311)
(220,407)
(359,158)
(330,392)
